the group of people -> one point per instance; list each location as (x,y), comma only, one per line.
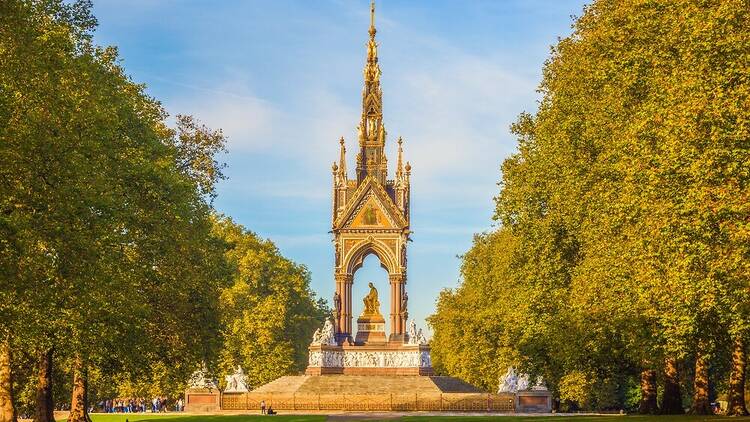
(140,405)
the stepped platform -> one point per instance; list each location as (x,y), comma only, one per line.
(370,384)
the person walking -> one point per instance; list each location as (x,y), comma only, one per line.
(262,407)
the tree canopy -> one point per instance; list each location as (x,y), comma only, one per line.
(624,212)
(268,313)
(113,262)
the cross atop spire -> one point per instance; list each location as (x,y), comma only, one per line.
(372,19)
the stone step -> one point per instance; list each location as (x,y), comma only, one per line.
(371,384)
(288,383)
(454,385)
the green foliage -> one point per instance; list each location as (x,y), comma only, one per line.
(576,386)
(107,251)
(627,201)
(269,313)
(472,340)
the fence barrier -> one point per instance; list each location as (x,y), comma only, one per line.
(372,402)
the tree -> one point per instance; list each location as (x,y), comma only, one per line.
(472,336)
(269,313)
(105,207)
(7,410)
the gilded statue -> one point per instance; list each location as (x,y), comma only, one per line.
(372,304)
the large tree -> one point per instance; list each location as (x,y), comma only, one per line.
(109,256)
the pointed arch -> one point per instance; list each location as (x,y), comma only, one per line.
(356,257)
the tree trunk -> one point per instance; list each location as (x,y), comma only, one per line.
(7,410)
(701,404)
(736,400)
(671,402)
(79,411)
(648,392)
(45,405)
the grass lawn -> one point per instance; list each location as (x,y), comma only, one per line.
(135,417)
(341,417)
(612,418)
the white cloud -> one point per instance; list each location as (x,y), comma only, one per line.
(456,112)
(247,121)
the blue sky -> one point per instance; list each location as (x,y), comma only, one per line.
(283,79)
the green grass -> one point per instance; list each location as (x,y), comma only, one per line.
(315,418)
(612,418)
(135,417)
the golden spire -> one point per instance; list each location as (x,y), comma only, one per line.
(399,165)
(371,159)
(372,70)
(342,158)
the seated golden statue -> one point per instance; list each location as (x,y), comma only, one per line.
(372,304)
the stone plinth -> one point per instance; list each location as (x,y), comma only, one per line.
(202,400)
(381,359)
(370,330)
(534,401)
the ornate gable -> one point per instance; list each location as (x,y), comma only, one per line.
(371,215)
(371,207)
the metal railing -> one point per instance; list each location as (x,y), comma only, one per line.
(372,402)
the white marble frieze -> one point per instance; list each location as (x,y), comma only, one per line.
(365,359)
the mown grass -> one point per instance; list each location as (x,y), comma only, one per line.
(135,417)
(603,418)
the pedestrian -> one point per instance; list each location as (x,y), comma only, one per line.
(262,407)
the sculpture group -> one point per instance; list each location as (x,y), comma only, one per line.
(326,336)
(512,382)
(201,380)
(236,382)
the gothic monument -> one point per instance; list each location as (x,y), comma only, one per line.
(370,216)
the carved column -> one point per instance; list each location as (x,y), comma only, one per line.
(394,309)
(397,287)
(344,322)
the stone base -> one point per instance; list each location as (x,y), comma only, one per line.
(370,330)
(398,338)
(534,401)
(202,400)
(371,359)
